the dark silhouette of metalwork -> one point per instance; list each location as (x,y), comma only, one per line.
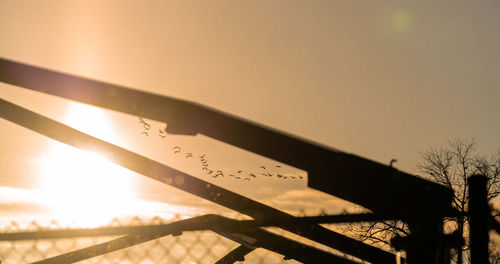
(178,179)
(329,170)
(479,219)
(388,192)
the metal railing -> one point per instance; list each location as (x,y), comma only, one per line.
(18,244)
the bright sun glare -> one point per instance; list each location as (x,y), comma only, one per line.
(84,186)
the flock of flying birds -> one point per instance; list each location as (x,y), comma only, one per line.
(147,129)
(215,173)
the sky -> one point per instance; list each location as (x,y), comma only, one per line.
(381,80)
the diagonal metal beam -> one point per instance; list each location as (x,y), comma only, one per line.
(135,236)
(290,249)
(71,233)
(101,249)
(246,233)
(239,225)
(373,185)
(229,228)
(191,224)
(183,181)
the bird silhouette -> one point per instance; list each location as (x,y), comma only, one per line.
(162,133)
(218,173)
(177,149)
(145,125)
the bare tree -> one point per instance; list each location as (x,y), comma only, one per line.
(451,166)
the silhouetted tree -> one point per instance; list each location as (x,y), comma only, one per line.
(451,166)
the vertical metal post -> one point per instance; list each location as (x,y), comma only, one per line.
(460,253)
(478,221)
(426,245)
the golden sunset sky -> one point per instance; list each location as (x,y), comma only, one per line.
(380,79)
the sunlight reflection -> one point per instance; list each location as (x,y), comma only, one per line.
(85,185)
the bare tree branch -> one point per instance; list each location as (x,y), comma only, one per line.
(451,166)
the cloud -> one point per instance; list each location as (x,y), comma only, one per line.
(14,201)
(26,205)
(18,204)
(310,202)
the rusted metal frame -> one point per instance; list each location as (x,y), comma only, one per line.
(229,228)
(183,181)
(187,118)
(134,237)
(191,224)
(373,185)
(101,249)
(290,249)
(70,233)
(241,225)
(237,254)
(342,218)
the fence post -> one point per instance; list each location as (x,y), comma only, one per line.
(425,245)
(478,219)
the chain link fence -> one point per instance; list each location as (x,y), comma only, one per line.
(190,247)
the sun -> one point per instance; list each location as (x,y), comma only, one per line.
(84,186)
